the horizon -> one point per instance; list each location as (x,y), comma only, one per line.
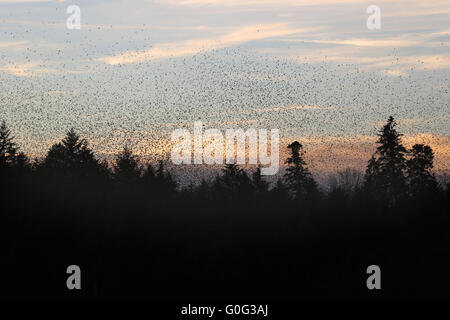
(311,69)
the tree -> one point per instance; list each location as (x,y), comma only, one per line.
(299,180)
(72,156)
(164,182)
(233,185)
(10,158)
(126,167)
(385,173)
(419,166)
(280,193)
(234,179)
(261,186)
(372,173)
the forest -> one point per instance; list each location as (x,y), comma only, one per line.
(136,232)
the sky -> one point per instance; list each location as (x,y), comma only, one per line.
(136,70)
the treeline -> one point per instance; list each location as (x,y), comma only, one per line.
(136,233)
(393,172)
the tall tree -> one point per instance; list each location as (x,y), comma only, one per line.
(72,155)
(420,177)
(299,180)
(9,155)
(385,173)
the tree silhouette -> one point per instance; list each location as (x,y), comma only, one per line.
(371,177)
(299,180)
(126,167)
(419,166)
(238,227)
(385,173)
(72,156)
(231,177)
(261,186)
(10,158)
(280,192)
(164,182)
(7,146)
(234,182)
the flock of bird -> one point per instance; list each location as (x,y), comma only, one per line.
(55,79)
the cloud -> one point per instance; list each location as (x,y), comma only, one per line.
(9,44)
(369,42)
(394,73)
(425,62)
(191,47)
(26,69)
(441,33)
(390,65)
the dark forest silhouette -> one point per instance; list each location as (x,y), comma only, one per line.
(135,233)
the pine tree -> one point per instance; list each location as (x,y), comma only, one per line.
(231,174)
(10,158)
(164,182)
(385,173)
(7,146)
(279,194)
(419,166)
(298,179)
(372,175)
(233,185)
(72,155)
(233,178)
(126,167)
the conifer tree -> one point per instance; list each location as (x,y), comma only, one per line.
(126,167)
(10,158)
(298,179)
(385,173)
(72,156)
(419,166)
(260,185)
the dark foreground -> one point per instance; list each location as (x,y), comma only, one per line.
(135,234)
(131,244)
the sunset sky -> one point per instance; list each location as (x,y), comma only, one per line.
(136,70)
